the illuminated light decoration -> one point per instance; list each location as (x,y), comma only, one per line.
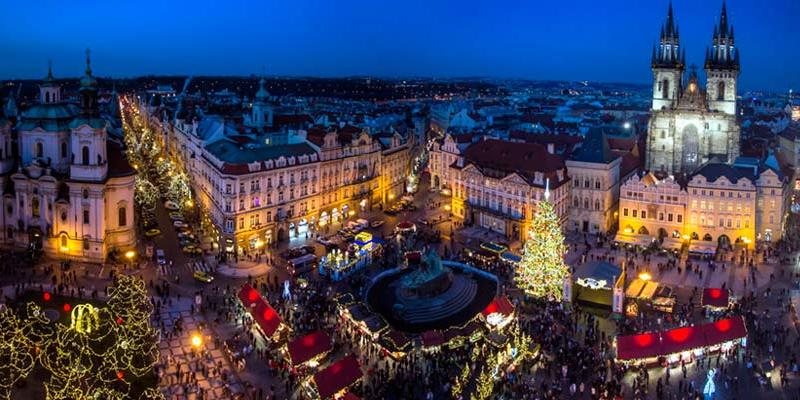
(47,296)
(592,283)
(542,271)
(16,352)
(85,318)
(120,375)
(710,388)
(67,307)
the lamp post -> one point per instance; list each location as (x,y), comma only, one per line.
(129,255)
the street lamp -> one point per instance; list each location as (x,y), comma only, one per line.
(130,254)
(197,341)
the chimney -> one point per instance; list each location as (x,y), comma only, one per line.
(551,148)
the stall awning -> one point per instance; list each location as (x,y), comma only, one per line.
(499,305)
(682,339)
(511,257)
(266,317)
(702,247)
(337,376)
(715,297)
(641,289)
(309,346)
(643,345)
(432,338)
(635,288)
(634,239)
(725,330)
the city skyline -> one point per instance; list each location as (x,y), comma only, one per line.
(537,42)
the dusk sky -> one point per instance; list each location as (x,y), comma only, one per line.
(569,39)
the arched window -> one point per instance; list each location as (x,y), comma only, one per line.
(64,241)
(586,204)
(85,155)
(123,216)
(665,89)
(46,97)
(63,149)
(39,149)
(721,91)
(707,237)
(643,231)
(86,243)
(597,204)
(35,206)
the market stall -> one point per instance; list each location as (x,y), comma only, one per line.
(647,293)
(266,318)
(337,377)
(498,313)
(339,264)
(595,282)
(715,299)
(681,344)
(309,348)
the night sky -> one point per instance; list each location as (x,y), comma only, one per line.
(608,40)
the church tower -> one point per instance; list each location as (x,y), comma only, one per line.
(261,116)
(668,61)
(88,136)
(49,90)
(722,67)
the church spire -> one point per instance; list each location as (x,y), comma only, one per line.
(668,54)
(88,63)
(723,20)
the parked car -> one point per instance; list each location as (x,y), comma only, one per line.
(302,264)
(171,205)
(377,223)
(179,224)
(203,276)
(160,257)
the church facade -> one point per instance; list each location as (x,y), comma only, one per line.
(691,125)
(69,193)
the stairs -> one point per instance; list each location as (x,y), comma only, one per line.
(461,292)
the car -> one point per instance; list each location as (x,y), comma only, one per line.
(171,205)
(203,276)
(175,216)
(160,257)
(152,232)
(325,241)
(179,224)
(377,223)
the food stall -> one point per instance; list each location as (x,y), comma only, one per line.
(595,282)
(681,344)
(645,292)
(267,319)
(499,313)
(715,299)
(337,377)
(309,348)
(339,264)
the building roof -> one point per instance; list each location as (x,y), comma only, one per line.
(338,376)
(233,153)
(595,149)
(118,165)
(309,346)
(714,171)
(500,158)
(792,132)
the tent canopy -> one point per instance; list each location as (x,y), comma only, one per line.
(682,339)
(647,345)
(725,330)
(600,271)
(266,317)
(643,345)
(337,376)
(715,297)
(432,338)
(309,346)
(499,305)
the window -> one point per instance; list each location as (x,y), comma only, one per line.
(64,241)
(86,243)
(241,223)
(669,217)
(644,214)
(85,155)
(635,212)
(721,91)
(86,217)
(35,207)
(39,149)
(680,218)
(228,188)
(625,212)
(85,193)
(665,89)
(122,216)
(597,184)
(63,149)
(660,216)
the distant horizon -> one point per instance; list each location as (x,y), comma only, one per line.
(507,39)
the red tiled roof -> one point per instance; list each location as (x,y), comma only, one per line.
(715,297)
(524,159)
(309,346)
(337,376)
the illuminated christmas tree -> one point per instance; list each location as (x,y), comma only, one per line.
(137,349)
(542,271)
(16,352)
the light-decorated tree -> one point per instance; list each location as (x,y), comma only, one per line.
(16,352)
(542,271)
(137,349)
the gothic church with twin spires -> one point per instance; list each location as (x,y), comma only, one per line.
(691,125)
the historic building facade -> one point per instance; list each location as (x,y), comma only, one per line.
(691,125)
(72,193)
(498,183)
(719,206)
(261,184)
